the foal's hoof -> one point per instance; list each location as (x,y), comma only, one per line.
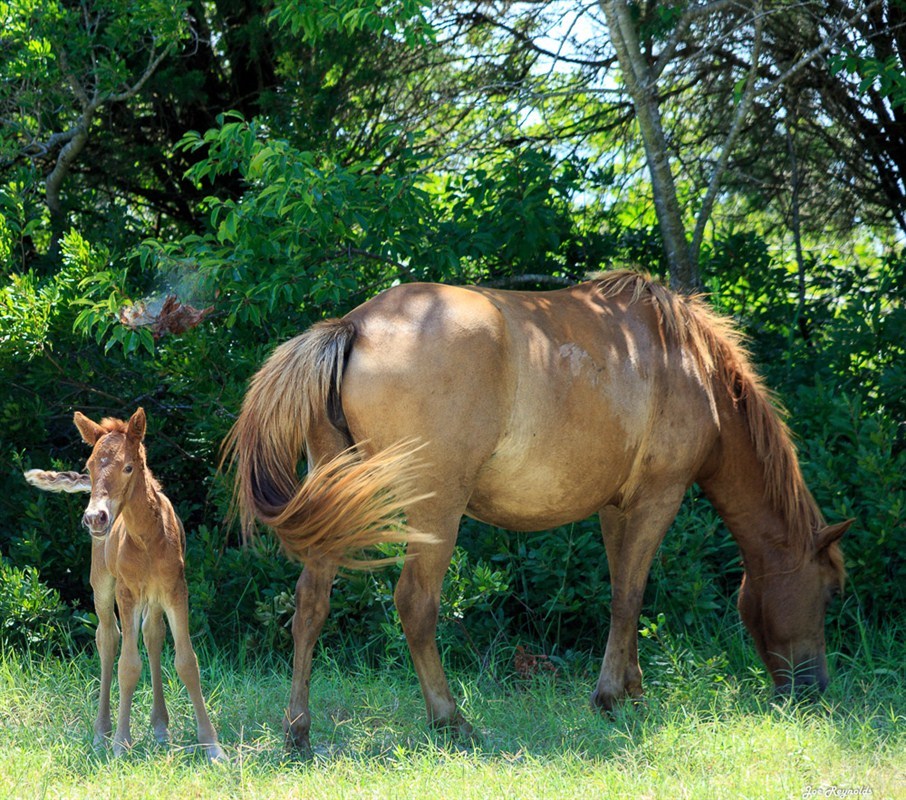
(215,754)
(121,747)
(102,734)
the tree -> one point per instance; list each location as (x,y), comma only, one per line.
(65,65)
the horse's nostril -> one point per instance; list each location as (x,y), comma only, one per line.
(94,520)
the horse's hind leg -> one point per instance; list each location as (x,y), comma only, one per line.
(177,609)
(153,631)
(417,599)
(107,635)
(312,608)
(631,538)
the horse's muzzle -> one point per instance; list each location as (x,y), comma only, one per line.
(97,522)
(805,685)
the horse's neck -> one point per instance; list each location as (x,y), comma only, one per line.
(141,513)
(736,488)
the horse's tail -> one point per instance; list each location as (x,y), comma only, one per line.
(70,482)
(345,504)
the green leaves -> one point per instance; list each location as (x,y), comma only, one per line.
(316,20)
(886,76)
(310,231)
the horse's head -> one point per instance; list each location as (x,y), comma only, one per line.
(783,600)
(117,458)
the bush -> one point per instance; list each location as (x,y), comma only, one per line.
(32,616)
(838,362)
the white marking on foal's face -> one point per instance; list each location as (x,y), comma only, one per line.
(111,474)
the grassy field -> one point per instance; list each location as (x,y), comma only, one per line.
(705,731)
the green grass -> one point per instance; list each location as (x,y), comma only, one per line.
(705,731)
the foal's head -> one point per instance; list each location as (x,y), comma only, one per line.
(117,459)
(783,602)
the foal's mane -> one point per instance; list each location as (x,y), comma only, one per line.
(113,425)
(719,352)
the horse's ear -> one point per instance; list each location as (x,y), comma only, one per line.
(90,431)
(137,425)
(830,534)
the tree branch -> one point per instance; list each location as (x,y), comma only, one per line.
(153,64)
(821,49)
(516,280)
(739,116)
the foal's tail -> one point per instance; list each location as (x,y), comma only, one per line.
(70,482)
(346,504)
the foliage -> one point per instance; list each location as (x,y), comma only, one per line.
(293,161)
(32,616)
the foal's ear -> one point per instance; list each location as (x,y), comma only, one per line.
(137,425)
(830,534)
(90,431)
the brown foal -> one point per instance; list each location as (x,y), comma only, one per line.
(138,543)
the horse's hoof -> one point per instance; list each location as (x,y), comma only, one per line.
(457,727)
(162,736)
(608,703)
(102,736)
(216,754)
(298,744)
(121,749)
(603,701)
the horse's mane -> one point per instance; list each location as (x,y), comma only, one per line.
(719,352)
(113,425)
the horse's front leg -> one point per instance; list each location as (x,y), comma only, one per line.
(107,636)
(129,669)
(631,538)
(312,607)
(417,598)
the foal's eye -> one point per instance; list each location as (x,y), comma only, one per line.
(128,469)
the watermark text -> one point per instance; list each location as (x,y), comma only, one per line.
(836,791)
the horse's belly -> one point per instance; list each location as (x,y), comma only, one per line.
(512,518)
(543,496)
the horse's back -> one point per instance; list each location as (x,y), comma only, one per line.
(537,407)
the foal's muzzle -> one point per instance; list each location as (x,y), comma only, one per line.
(97,522)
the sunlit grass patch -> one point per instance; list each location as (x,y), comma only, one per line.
(708,728)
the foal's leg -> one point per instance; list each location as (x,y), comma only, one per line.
(107,635)
(312,608)
(153,631)
(631,538)
(417,599)
(187,669)
(129,669)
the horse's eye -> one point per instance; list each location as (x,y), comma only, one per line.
(128,469)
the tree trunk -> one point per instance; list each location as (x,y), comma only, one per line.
(640,83)
(54,182)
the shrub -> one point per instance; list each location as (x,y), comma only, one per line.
(32,615)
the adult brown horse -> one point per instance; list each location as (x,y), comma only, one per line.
(532,410)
